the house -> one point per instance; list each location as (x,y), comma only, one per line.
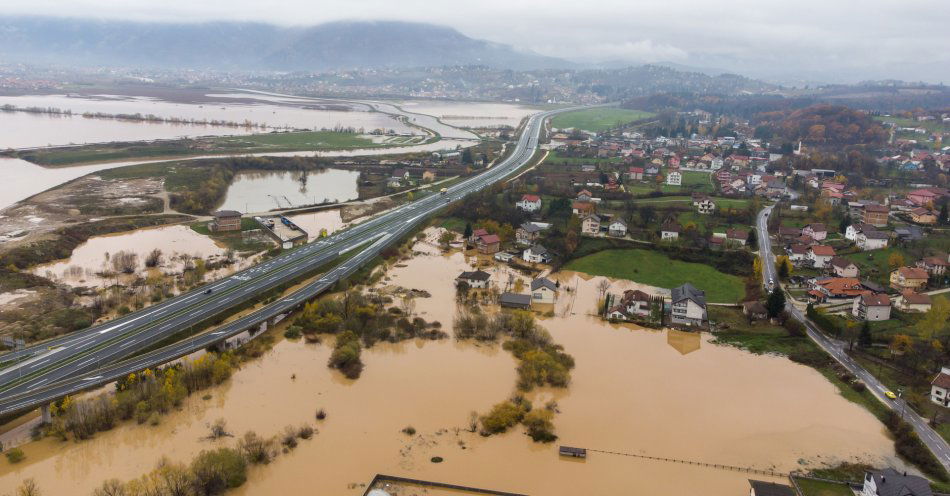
(840,287)
(872,307)
(705,206)
(788,233)
(842,267)
(797,253)
(817,231)
(820,255)
(737,236)
(688,305)
(912,278)
(889,482)
(537,254)
(674,178)
(488,244)
(909,233)
(940,388)
(871,240)
(923,197)
(636,302)
(776,188)
(910,301)
(755,310)
(477,234)
(515,300)
(590,224)
(761,488)
(581,208)
(670,231)
(477,279)
(851,232)
(584,196)
(529,203)
(935,266)
(617,228)
(528,233)
(922,215)
(543,290)
(226,220)
(635,173)
(876,215)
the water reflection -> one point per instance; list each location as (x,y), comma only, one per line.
(260,191)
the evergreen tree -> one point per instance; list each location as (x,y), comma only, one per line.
(845,222)
(752,239)
(864,339)
(776,303)
(468,230)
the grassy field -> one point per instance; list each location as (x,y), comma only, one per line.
(812,487)
(873,264)
(656,269)
(598,119)
(255,143)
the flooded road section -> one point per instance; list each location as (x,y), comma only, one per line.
(633,390)
(260,191)
(98,254)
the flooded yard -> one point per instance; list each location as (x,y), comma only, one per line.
(639,391)
(260,191)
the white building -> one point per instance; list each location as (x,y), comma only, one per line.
(871,240)
(543,291)
(940,388)
(529,203)
(536,254)
(688,305)
(477,279)
(872,307)
(590,224)
(617,228)
(674,178)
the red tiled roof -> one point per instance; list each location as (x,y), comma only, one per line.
(824,251)
(876,300)
(490,239)
(531,198)
(912,273)
(942,381)
(914,298)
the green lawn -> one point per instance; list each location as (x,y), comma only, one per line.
(656,269)
(873,264)
(811,487)
(598,119)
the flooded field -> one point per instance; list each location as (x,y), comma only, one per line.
(471,114)
(314,222)
(633,390)
(260,191)
(98,254)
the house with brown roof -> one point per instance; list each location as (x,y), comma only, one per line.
(590,224)
(636,302)
(818,232)
(529,203)
(910,301)
(842,267)
(488,244)
(820,255)
(226,220)
(581,208)
(871,240)
(913,278)
(923,215)
(936,266)
(737,236)
(872,307)
(940,388)
(876,215)
(840,287)
(670,231)
(797,253)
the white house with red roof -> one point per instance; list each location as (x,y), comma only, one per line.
(529,203)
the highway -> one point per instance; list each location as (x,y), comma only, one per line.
(837,350)
(91,357)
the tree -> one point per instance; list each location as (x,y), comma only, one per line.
(468,230)
(901,344)
(757,268)
(895,260)
(775,303)
(752,239)
(864,339)
(843,225)
(783,266)
(943,214)
(935,320)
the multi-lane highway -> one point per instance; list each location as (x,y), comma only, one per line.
(836,349)
(81,360)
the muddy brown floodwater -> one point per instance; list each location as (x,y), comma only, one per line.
(633,390)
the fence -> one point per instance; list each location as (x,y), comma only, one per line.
(721,466)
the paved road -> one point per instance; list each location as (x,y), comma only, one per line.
(837,350)
(76,362)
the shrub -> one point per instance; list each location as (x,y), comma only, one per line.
(539,425)
(501,417)
(293,332)
(321,414)
(305,432)
(154,419)
(346,355)
(217,471)
(409,430)
(289,438)
(15,455)
(255,449)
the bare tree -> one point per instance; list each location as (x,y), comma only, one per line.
(602,287)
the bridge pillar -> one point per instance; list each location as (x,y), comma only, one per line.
(45,414)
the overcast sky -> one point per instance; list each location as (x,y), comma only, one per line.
(835,40)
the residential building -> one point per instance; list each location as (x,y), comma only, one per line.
(872,307)
(705,206)
(889,482)
(839,287)
(488,244)
(529,203)
(636,302)
(761,488)
(923,197)
(537,254)
(670,231)
(818,232)
(688,305)
(797,253)
(737,237)
(820,255)
(528,233)
(515,300)
(635,173)
(617,228)
(590,224)
(876,215)
(543,290)
(871,240)
(674,178)
(935,266)
(923,215)
(842,267)
(581,208)
(226,220)
(940,388)
(912,278)
(477,279)
(910,301)
(477,233)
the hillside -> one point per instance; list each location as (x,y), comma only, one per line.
(252,46)
(824,124)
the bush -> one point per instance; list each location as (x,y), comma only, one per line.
(217,471)
(255,449)
(346,355)
(409,430)
(305,432)
(502,416)
(912,449)
(289,438)
(321,414)
(15,455)
(293,332)
(154,419)
(539,425)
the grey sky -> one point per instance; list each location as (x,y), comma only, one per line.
(838,40)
